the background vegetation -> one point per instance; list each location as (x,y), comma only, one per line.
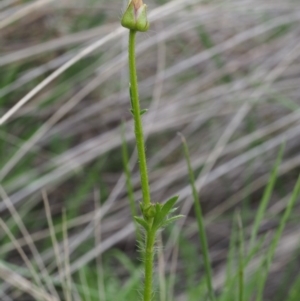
(223,73)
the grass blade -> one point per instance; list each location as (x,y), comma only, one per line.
(200,221)
(129,185)
(54,242)
(265,199)
(66,257)
(277,236)
(241,259)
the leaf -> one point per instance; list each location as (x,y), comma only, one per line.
(142,112)
(130,94)
(164,211)
(166,208)
(171,220)
(142,222)
(173,210)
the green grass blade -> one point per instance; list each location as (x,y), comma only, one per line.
(230,260)
(241,259)
(290,271)
(129,185)
(265,199)
(277,236)
(294,292)
(85,286)
(230,279)
(200,221)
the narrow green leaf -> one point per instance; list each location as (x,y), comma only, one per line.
(164,211)
(167,207)
(142,112)
(174,209)
(171,220)
(142,222)
(130,94)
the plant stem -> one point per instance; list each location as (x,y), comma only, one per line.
(139,136)
(138,127)
(149,253)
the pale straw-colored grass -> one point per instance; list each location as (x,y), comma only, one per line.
(231,126)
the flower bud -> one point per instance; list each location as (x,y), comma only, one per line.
(149,211)
(135,16)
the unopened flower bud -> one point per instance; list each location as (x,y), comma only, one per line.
(135,16)
(149,211)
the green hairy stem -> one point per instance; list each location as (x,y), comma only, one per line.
(154,216)
(139,136)
(138,126)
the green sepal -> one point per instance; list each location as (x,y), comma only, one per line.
(135,18)
(128,19)
(142,23)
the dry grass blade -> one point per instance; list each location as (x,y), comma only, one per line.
(224,73)
(23,255)
(23,284)
(39,261)
(66,258)
(23,12)
(58,258)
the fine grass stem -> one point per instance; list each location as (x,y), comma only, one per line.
(54,242)
(129,185)
(230,259)
(241,259)
(97,235)
(29,241)
(161,270)
(200,221)
(276,238)
(266,198)
(294,293)
(66,257)
(23,255)
(85,287)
